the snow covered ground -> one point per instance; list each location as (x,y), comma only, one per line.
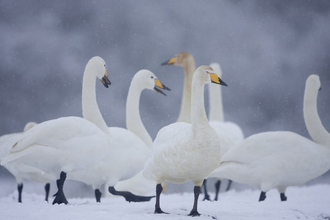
(306,202)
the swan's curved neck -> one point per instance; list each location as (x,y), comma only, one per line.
(90,109)
(312,120)
(133,118)
(189,69)
(215,103)
(198,116)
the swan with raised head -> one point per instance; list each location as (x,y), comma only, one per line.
(143,79)
(185,60)
(281,159)
(21,171)
(67,144)
(186,152)
(230,134)
(129,152)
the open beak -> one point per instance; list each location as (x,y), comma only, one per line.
(159,85)
(216,79)
(105,80)
(170,61)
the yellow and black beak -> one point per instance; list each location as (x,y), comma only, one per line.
(216,79)
(105,80)
(170,61)
(158,85)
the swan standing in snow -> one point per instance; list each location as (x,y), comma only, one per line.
(281,159)
(183,151)
(67,144)
(129,152)
(230,134)
(143,79)
(21,171)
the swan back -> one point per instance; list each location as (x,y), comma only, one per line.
(29,125)
(312,120)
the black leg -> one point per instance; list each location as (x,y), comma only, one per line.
(206,195)
(47,187)
(159,190)
(130,197)
(229,184)
(262,196)
(217,188)
(194,211)
(59,196)
(98,195)
(20,188)
(283,197)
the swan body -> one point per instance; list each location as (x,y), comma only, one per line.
(67,144)
(143,79)
(22,171)
(129,151)
(281,159)
(230,134)
(125,158)
(186,152)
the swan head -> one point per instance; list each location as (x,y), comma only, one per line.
(29,125)
(181,59)
(147,80)
(313,81)
(205,75)
(217,69)
(99,68)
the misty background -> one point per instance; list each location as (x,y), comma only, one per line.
(266,50)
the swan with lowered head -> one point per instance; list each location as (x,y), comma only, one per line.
(230,134)
(143,79)
(67,144)
(186,152)
(21,171)
(281,159)
(129,151)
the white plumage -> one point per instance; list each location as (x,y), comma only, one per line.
(143,79)
(23,171)
(67,144)
(186,152)
(281,159)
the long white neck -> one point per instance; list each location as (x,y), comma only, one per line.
(215,98)
(189,69)
(198,116)
(133,119)
(90,109)
(312,120)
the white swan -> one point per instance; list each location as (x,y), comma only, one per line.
(182,151)
(67,144)
(143,79)
(21,171)
(129,152)
(185,60)
(230,134)
(281,159)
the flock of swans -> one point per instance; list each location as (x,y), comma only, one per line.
(130,164)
